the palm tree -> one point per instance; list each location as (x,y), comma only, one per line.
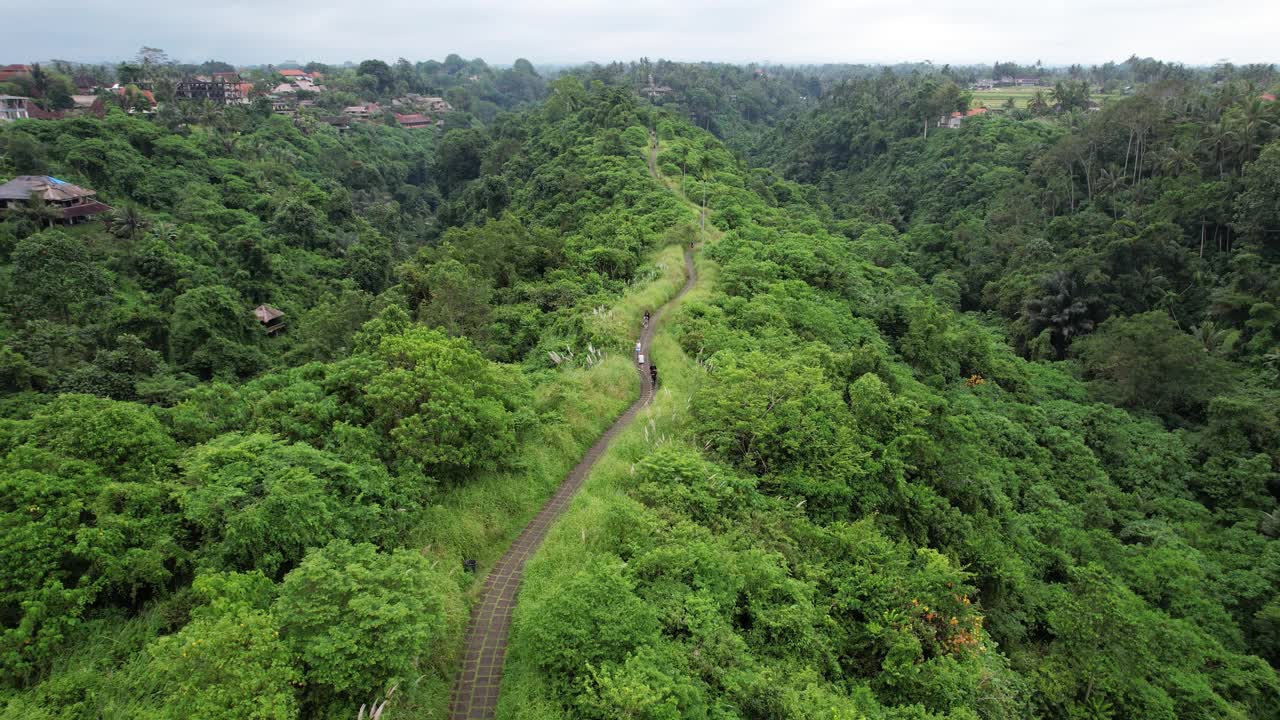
(1215,340)
(127,222)
(1038,104)
(165,231)
(1153,286)
(1060,311)
(39,82)
(1220,137)
(705,165)
(210,115)
(1252,124)
(1176,159)
(1269,524)
(1110,183)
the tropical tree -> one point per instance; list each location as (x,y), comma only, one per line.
(1039,103)
(127,221)
(1253,125)
(1060,311)
(56,276)
(1146,362)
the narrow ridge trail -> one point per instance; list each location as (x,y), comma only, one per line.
(475,691)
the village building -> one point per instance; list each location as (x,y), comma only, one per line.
(294,75)
(94,105)
(362,112)
(35,112)
(8,72)
(306,85)
(414,120)
(14,107)
(124,92)
(654,91)
(414,101)
(955,119)
(341,123)
(230,76)
(215,91)
(295,84)
(76,204)
(271,318)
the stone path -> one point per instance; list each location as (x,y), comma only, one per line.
(475,691)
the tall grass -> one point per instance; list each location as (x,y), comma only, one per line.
(622,324)
(585,531)
(480,519)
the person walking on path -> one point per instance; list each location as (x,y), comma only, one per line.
(646,319)
(653,375)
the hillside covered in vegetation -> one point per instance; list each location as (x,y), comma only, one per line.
(965,423)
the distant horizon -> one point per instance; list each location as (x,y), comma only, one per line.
(573,32)
(652,58)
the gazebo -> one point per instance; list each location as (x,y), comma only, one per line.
(271,318)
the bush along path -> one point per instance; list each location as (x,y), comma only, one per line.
(475,692)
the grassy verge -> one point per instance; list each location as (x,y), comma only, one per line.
(622,323)
(583,532)
(480,519)
(585,529)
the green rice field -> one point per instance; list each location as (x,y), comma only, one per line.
(996,97)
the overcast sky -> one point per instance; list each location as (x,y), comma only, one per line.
(560,31)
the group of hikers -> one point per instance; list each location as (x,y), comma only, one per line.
(653,367)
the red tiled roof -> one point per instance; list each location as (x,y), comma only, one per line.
(976,111)
(151,98)
(89,208)
(413,120)
(1269,97)
(39,113)
(9,71)
(293,73)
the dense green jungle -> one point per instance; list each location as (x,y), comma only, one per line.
(975,422)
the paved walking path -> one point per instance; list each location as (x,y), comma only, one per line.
(475,692)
